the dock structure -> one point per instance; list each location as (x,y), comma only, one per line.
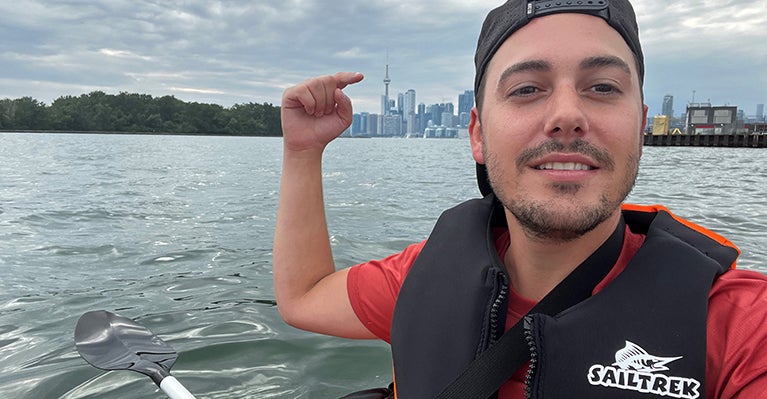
(707,140)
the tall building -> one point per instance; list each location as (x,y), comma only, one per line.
(408,103)
(423,119)
(668,105)
(760,112)
(383,125)
(408,113)
(465,101)
(364,123)
(385,100)
(356,127)
(465,104)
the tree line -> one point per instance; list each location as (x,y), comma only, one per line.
(138,113)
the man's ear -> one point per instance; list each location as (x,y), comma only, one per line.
(475,135)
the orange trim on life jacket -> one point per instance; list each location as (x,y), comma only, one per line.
(394,381)
(700,229)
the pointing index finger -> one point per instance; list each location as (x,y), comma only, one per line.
(347,78)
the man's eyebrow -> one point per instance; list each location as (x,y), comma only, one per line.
(603,61)
(525,66)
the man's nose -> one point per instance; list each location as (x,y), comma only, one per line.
(565,114)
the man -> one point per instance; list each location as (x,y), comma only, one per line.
(557,133)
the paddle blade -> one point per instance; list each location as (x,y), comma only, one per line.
(111,342)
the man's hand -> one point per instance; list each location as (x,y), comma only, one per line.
(317,111)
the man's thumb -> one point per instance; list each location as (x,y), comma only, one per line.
(343,106)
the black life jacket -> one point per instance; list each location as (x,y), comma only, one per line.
(643,333)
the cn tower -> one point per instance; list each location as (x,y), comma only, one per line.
(385,104)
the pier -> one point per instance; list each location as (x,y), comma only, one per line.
(707,140)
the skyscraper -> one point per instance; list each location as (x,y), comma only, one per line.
(760,112)
(408,100)
(356,124)
(408,112)
(385,101)
(465,101)
(364,122)
(423,119)
(668,105)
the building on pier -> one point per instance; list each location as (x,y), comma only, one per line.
(703,118)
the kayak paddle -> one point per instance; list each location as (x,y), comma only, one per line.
(111,342)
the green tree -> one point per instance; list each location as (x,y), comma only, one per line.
(65,114)
(5,119)
(131,112)
(26,113)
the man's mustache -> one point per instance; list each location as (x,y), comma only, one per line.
(578,146)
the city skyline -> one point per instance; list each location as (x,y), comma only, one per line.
(406,117)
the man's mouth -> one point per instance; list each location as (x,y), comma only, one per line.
(564,166)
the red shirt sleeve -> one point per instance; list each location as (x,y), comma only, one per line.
(373,288)
(736,364)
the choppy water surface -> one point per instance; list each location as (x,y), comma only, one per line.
(176,232)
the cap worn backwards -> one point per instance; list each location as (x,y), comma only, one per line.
(508,18)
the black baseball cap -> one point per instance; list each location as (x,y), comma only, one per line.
(508,18)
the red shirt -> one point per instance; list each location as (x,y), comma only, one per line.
(736,364)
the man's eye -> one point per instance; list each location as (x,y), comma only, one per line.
(604,88)
(525,91)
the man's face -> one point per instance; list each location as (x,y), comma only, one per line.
(561,125)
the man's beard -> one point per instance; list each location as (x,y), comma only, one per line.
(541,219)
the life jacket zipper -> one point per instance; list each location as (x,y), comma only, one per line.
(499,305)
(529,327)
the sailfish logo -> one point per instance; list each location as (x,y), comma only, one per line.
(636,370)
(633,357)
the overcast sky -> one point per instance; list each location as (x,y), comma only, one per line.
(229,52)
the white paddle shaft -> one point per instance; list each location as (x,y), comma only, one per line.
(174,389)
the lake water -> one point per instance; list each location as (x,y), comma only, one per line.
(176,233)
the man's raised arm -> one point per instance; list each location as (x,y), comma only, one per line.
(310,293)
